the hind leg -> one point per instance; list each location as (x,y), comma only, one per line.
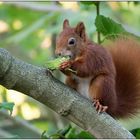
(102,93)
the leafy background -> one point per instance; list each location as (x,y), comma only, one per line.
(28,30)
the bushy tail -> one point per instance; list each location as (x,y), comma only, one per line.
(126,57)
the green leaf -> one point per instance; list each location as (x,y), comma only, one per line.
(55,63)
(108,27)
(65,130)
(8,106)
(60,134)
(85,135)
(71,134)
(56,136)
(68,132)
(136,132)
(44,135)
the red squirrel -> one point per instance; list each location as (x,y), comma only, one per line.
(108,76)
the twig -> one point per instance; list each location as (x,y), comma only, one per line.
(36,6)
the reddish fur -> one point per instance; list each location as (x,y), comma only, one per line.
(126,57)
(102,70)
(114,70)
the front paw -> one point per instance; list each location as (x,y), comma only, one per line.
(65,65)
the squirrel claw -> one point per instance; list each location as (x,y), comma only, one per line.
(99,108)
(65,65)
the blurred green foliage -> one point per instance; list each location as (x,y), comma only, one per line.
(7,106)
(68,132)
(30,35)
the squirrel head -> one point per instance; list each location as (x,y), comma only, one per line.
(71,40)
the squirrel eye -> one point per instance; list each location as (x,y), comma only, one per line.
(71,41)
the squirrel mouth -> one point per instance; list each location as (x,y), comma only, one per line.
(69,55)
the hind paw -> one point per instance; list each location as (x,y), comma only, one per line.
(99,108)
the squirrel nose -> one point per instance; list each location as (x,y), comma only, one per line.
(58,53)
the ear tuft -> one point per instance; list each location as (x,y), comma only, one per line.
(65,23)
(80,30)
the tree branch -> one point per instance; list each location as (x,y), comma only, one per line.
(36,6)
(39,84)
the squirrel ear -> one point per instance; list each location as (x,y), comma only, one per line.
(65,24)
(80,30)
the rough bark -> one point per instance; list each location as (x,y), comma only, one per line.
(39,84)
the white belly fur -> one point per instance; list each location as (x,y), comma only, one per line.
(83,85)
